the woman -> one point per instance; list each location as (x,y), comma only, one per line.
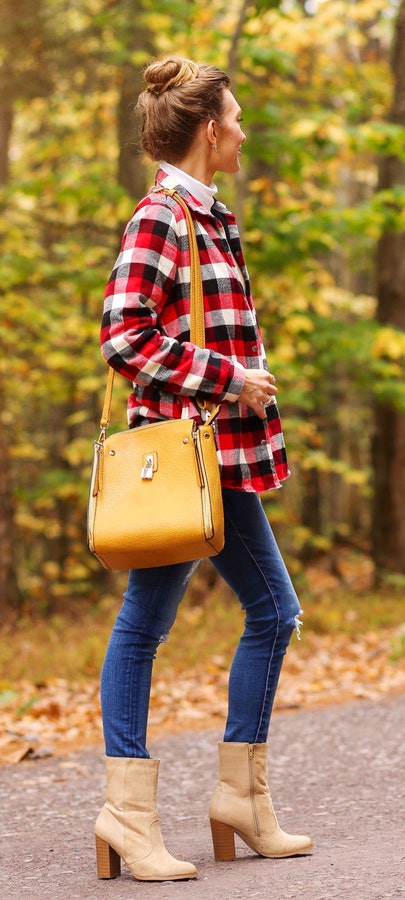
(192,126)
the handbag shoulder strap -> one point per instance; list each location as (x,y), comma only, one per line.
(197,329)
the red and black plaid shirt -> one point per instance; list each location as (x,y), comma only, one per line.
(145,333)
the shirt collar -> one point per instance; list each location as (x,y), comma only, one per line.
(203,193)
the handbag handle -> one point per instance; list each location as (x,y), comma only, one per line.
(197,328)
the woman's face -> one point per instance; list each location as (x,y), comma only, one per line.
(229,136)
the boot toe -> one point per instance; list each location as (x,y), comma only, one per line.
(286,845)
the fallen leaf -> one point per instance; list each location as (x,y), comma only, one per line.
(13,749)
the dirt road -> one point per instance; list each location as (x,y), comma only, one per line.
(337,773)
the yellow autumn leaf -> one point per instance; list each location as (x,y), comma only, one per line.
(285,353)
(336,133)
(389,342)
(356,477)
(27,451)
(297,323)
(304,128)
(259,184)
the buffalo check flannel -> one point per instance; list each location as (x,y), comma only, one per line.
(145,333)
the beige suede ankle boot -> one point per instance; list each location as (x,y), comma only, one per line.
(128,825)
(241,804)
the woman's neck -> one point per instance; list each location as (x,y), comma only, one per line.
(204,193)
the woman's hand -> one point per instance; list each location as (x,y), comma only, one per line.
(258,391)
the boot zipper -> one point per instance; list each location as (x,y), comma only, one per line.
(252,791)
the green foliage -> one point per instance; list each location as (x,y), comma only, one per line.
(314,111)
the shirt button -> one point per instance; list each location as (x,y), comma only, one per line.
(254,348)
(263,443)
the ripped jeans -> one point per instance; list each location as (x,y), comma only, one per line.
(251,564)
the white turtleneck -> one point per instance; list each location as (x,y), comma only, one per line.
(205,194)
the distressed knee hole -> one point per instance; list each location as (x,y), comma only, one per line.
(298,624)
(164,638)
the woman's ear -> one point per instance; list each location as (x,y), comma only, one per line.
(212,133)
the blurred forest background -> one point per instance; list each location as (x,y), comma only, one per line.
(321,203)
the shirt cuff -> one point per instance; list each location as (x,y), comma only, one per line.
(236,384)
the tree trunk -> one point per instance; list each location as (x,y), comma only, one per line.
(10,597)
(21,77)
(388,528)
(131,174)
(6,120)
(9,591)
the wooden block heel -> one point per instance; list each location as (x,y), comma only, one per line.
(223,839)
(108,861)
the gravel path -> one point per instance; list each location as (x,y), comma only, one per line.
(337,773)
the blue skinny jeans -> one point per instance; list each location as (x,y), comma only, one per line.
(251,564)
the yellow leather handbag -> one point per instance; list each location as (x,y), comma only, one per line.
(155,493)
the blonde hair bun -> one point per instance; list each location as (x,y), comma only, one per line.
(169,73)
